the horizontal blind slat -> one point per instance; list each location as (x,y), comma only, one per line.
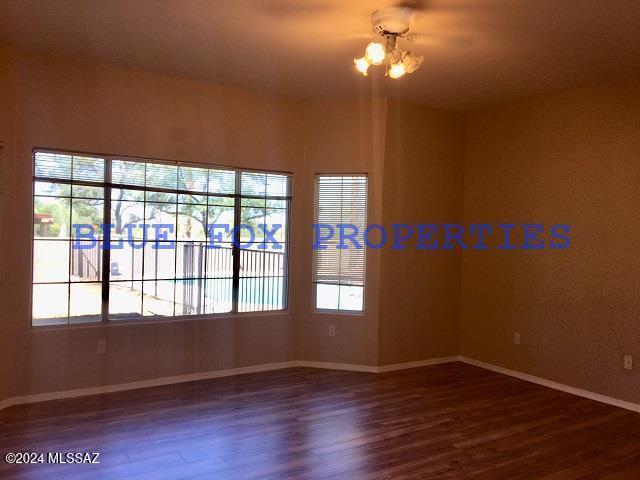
(341,200)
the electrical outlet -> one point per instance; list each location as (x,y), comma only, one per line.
(628,362)
(516,338)
(102,347)
(332,330)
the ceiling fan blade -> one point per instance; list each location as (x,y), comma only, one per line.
(438,40)
(417,5)
(280,9)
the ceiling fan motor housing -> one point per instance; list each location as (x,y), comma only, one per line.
(392,20)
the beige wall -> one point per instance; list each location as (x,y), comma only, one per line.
(423,179)
(70,105)
(87,107)
(340,137)
(570,158)
(7,133)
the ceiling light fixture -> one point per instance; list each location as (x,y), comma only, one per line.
(390,23)
(362,65)
(375,53)
(397,70)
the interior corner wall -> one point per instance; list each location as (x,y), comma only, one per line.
(570,158)
(7,140)
(340,136)
(423,183)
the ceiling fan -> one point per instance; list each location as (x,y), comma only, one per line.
(392,24)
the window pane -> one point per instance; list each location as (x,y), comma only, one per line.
(52,189)
(126,263)
(254,183)
(50,261)
(118,194)
(220,223)
(190,259)
(83,191)
(125,216)
(52,165)
(222,181)
(85,212)
(161,175)
(251,218)
(86,302)
(351,298)
(86,261)
(51,217)
(253,202)
(163,216)
(50,304)
(161,197)
(276,203)
(193,179)
(158,298)
(221,201)
(192,221)
(250,295)
(262,279)
(192,199)
(159,260)
(251,262)
(218,295)
(128,173)
(274,290)
(125,300)
(88,169)
(219,261)
(276,224)
(327,296)
(190,297)
(277,185)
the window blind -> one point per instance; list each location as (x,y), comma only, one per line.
(339,273)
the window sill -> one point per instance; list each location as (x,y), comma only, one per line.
(156,321)
(350,313)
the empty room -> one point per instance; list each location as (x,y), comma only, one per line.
(319,239)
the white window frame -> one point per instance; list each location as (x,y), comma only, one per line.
(314,262)
(161,319)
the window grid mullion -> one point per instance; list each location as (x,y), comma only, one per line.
(237,218)
(106,238)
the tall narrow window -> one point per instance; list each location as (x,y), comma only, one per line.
(339,261)
(174,247)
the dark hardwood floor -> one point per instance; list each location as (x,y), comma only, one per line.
(449,421)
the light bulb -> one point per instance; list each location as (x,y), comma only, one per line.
(412,62)
(375,53)
(361,65)
(397,70)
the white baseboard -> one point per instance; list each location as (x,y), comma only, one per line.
(351,367)
(154,382)
(6,403)
(555,385)
(420,363)
(81,392)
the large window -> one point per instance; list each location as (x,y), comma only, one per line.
(339,246)
(120,239)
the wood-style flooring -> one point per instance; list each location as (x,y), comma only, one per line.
(450,421)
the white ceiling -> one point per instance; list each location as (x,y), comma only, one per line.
(304,48)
